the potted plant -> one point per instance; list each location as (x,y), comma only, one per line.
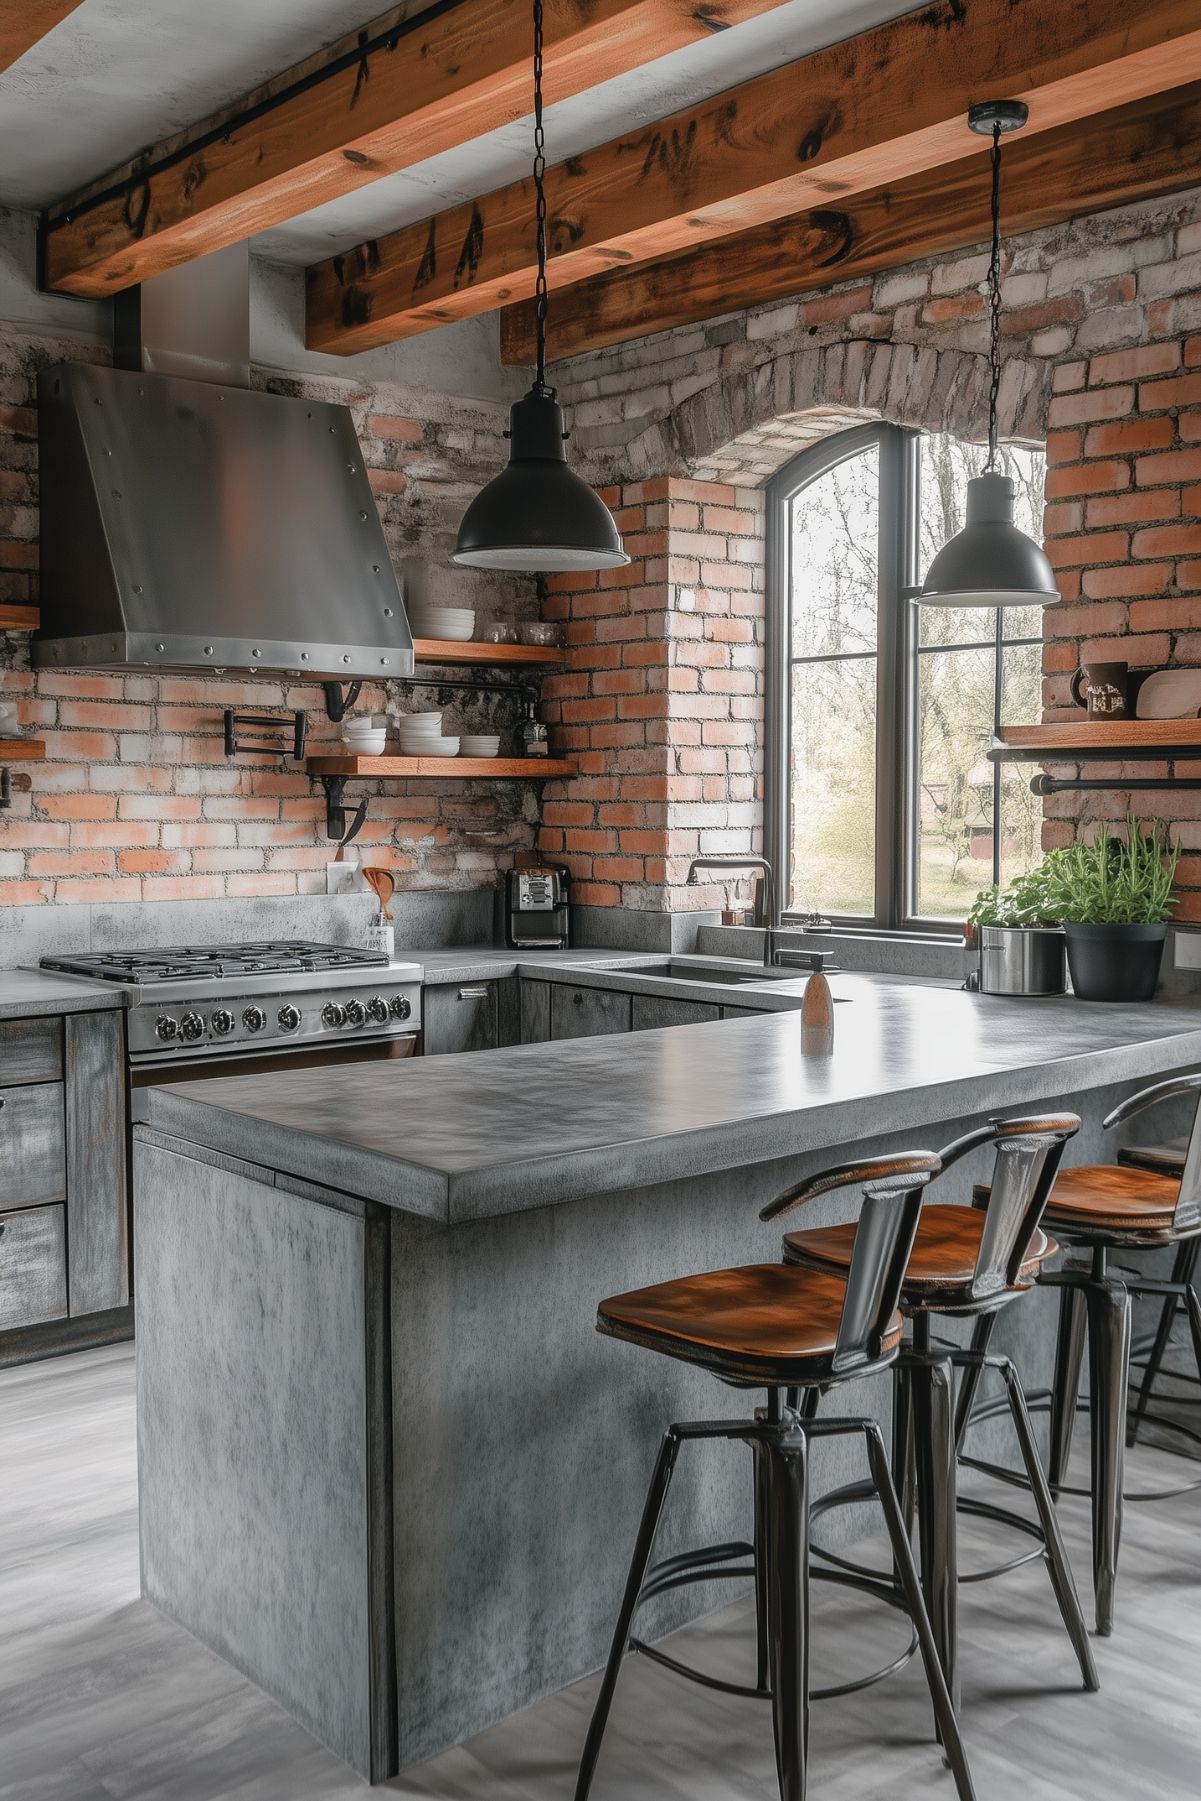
(1114,897)
(1021,944)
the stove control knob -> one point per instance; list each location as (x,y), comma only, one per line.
(332,1014)
(222,1022)
(192,1026)
(400,1006)
(356,1013)
(166,1028)
(254,1019)
(289,1019)
(378,1010)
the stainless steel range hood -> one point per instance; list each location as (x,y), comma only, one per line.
(201,525)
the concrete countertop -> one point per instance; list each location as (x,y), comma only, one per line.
(28,993)
(495,1132)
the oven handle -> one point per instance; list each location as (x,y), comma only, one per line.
(147,1072)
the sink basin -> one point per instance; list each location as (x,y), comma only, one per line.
(719,975)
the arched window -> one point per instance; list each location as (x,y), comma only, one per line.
(882,807)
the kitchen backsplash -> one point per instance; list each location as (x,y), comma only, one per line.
(136,799)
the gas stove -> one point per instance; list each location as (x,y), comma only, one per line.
(190,1002)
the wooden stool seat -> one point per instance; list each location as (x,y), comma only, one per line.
(764,1323)
(1108,1199)
(944,1257)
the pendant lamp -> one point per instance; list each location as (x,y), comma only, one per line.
(990,563)
(536,515)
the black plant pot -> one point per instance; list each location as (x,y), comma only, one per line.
(1115,963)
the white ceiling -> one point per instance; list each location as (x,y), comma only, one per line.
(117,76)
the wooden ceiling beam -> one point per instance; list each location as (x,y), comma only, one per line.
(24,23)
(885,105)
(417,81)
(1134,153)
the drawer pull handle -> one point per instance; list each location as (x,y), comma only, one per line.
(473,994)
(577,999)
(3,1228)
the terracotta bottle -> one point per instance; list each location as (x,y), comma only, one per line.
(817,1017)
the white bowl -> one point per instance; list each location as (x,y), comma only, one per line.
(431,747)
(479,747)
(367,744)
(453,623)
(407,719)
(419,731)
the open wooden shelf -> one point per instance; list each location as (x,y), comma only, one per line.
(1126,739)
(21,750)
(19,619)
(451,650)
(503,768)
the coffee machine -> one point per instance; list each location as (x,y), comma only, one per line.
(537,908)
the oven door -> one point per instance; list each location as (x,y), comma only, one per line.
(150,1072)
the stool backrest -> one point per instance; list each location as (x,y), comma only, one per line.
(1028,1153)
(888,1219)
(1187,1215)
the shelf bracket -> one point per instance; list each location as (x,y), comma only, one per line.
(335,810)
(339,700)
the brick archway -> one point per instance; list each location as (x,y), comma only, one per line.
(664,707)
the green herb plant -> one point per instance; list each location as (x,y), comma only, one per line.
(1112,881)
(1116,881)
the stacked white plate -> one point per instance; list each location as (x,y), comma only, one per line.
(456,623)
(479,744)
(421,735)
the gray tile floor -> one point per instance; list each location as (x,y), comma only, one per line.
(102,1699)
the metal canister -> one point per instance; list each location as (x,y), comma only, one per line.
(1022,960)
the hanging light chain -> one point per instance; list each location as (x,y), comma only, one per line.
(994,284)
(540,287)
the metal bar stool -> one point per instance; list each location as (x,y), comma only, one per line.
(967,1263)
(781,1329)
(1104,1208)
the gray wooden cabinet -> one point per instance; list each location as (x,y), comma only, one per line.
(587,1012)
(461,1017)
(535,1011)
(649,1011)
(64,1190)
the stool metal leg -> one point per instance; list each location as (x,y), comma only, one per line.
(934,1444)
(970,1376)
(784,1465)
(944,1708)
(1057,1558)
(902,1442)
(762,1602)
(1183,1265)
(652,1511)
(1069,1356)
(1108,1302)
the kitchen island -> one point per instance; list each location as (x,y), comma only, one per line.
(387,1468)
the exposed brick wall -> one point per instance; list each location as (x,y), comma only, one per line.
(664,705)
(1102,346)
(136,799)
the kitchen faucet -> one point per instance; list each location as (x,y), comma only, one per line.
(765,908)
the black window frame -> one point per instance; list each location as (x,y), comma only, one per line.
(898,667)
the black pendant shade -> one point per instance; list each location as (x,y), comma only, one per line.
(536,515)
(990,563)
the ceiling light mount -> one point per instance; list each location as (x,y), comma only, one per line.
(1004,116)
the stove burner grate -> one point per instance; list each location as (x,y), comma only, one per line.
(181,963)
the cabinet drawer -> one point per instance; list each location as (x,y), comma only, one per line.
(33,1149)
(33,1267)
(31,1050)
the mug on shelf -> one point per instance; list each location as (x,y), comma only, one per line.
(1104,688)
